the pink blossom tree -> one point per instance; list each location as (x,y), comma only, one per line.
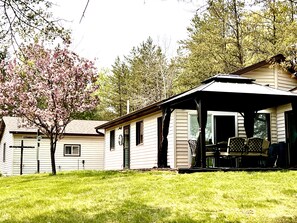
(45,88)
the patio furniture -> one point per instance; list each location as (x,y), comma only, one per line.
(254,146)
(235,149)
(192,145)
(265,152)
(254,153)
(265,147)
(210,154)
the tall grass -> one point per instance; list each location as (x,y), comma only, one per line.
(131,196)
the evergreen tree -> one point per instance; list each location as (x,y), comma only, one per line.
(228,35)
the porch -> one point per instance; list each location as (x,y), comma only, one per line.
(226,169)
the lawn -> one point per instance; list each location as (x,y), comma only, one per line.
(152,196)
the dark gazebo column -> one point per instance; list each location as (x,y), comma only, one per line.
(249,117)
(200,147)
(162,153)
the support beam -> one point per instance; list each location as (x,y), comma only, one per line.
(249,117)
(162,153)
(200,147)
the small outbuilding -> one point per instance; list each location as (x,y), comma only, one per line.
(82,147)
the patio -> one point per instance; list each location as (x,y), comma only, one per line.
(229,93)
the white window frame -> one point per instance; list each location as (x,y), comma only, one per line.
(212,114)
(72,149)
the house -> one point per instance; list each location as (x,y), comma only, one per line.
(135,140)
(82,147)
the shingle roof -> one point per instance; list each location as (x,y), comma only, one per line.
(75,127)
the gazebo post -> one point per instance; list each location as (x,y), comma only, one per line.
(162,153)
(200,147)
(249,117)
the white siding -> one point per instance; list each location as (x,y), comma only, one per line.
(277,78)
(144,155)
(171,156)
(7,166)
(281,126)
(92,151)
(240,126)
(285,80)
(113,159)
(263,75)
(273,125)
(182,135)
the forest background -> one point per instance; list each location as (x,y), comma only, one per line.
(223,36)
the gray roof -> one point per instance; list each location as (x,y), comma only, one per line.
(75,127)
(231,93)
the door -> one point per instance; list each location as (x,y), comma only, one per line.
(291,137)
(224,127)
(126,147)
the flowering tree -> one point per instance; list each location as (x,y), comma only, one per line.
(46,87)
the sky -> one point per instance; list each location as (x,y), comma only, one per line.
(111,28)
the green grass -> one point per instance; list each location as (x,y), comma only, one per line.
(156,196)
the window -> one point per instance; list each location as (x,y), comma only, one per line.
(194,128)
(139,132)
(262,126)
(71,150)
(112,140)
(4,152)
(219,126)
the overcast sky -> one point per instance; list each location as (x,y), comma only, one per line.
(110,28)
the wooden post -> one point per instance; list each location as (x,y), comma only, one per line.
(162,153)
(22,153)
(200,147)
(37,151)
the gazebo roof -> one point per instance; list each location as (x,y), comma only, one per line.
(226,92)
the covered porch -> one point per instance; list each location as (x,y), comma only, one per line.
(228,93)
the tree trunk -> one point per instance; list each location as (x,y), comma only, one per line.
(53,143)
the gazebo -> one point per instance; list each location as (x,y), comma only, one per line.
(222,92)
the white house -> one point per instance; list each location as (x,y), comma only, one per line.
(134,140)
(82,147)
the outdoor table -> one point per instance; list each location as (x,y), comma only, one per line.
(216,149)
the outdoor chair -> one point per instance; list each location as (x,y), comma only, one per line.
(192,145)
(209,154)
(254,146)
(265,147)
(235,149)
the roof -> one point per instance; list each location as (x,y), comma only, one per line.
(75,127)
(133,115)
(277,58)
(231,93)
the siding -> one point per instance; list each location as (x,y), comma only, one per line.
(240,126)
(277,78)
(281,126)
(144,155)
(263,75)
(7,166)
(182,148)
(285,80)
(113,159)
(92,151)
